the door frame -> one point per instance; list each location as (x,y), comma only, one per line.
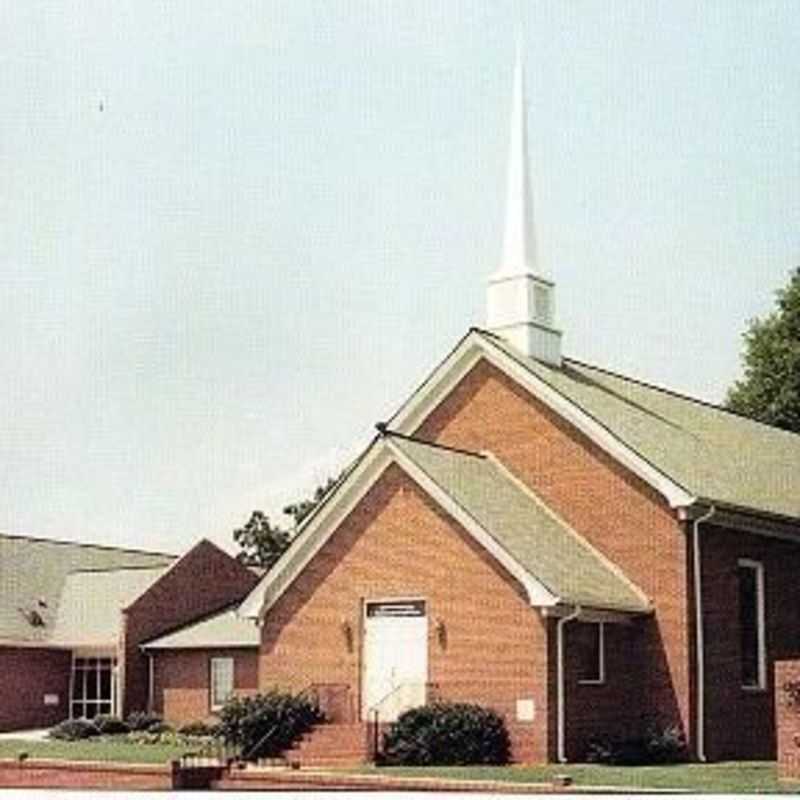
(367,601)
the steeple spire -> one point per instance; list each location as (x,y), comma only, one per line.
(519,244)
(520,301)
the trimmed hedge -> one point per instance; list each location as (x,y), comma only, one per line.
(264,725)
(144,721)
(110,725)
(73,730)
(447,734)
(659,745)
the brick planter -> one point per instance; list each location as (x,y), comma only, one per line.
(787,719)
(53,774)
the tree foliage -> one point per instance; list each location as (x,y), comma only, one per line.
(262,543)
(769,390)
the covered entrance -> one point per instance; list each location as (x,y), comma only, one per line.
(93,685)
(395,658)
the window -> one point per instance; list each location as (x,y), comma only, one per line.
(590,652)
(93,687)
(751,624)
(221,681)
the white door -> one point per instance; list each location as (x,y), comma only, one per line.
(395,658)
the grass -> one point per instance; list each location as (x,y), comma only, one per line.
(103,748)
(730,777)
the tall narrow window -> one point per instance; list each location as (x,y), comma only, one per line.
(93,687)
(751,624)
(221,681)
(590,651)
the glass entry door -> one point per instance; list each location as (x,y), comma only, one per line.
(93,687)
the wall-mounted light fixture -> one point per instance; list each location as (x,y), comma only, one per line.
(441,633)
(347,632)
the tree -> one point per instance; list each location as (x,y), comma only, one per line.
(769,390)
(263,543)
(300,510)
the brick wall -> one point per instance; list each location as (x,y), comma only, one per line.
(182,682)
(203,581)
(485,643)
(610,709)
(787,711)
(28,674)
(740,722)
(618,513)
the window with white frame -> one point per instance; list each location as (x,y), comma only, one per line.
(751,624)
(93,687)
(590,652)
(221,681)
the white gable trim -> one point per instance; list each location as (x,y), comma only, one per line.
(472,349)
(323,525)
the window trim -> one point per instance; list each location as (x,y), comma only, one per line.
(211,680)
(761,638)
(601,657)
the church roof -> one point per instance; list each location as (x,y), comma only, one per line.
(713,454)
(555,565)
(540,541)
(33,573)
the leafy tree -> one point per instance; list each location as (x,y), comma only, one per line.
(300,510)
(769,391)
(263,543)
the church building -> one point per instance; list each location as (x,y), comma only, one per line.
(587,554)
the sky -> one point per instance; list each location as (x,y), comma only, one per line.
(235,235)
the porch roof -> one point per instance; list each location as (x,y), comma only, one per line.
(222,630)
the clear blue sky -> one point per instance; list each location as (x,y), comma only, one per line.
(284,214)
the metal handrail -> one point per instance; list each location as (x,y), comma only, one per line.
(374,709)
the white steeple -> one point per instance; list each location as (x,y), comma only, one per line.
(520,301)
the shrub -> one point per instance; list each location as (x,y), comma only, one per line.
(264,725)
(143,721)
(447,733)
(659,745)
(109,725)
(198,728)
(73,730)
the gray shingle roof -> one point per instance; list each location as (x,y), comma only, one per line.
(713,454)
(543,544)
(34,570)
(225,629)
(89,612)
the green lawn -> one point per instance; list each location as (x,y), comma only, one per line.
(99,749)
(731,777)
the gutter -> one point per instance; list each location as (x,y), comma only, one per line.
(561,716)
(699,637)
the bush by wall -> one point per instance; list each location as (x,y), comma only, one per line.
(265,725)
(447,733)
(143,721)
(659,745)
(109,725)
(73,730)
(198,728)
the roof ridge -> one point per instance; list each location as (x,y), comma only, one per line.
(648,385)
(437,445)
(46,540)
(679,395)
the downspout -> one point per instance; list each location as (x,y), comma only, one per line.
(561,723)
(698,626)
(150,683)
